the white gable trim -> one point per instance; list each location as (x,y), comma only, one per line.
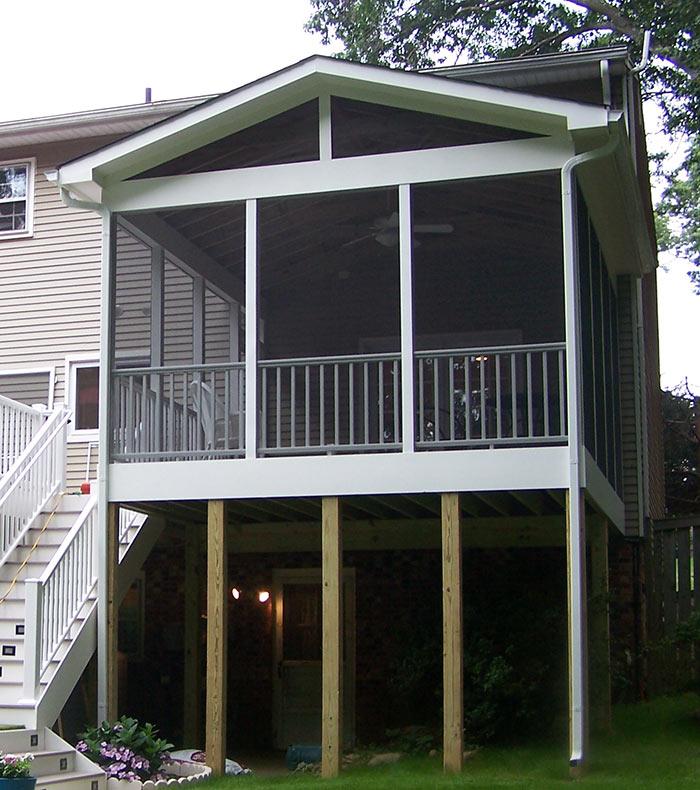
(362,172)
(320,76)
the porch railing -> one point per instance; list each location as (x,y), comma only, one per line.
(54,601)
(331,404)
(184,412)
(467,397)
(504,395)
(19,424)
(29,484)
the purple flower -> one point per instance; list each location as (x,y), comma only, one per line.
(115,769)
(81,746)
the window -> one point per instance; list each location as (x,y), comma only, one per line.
(83,397)
(16,187)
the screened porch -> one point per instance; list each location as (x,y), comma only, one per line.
(338,364)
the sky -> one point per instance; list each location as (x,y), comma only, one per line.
(76,55)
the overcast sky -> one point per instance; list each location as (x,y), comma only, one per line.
(76,55)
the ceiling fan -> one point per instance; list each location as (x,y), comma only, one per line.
(385,231)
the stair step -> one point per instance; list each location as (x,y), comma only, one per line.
(22,740)
(14,569)
(76,780)
(72,503)
(55,761)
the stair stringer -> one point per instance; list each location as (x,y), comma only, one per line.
(136,553)
(82,645)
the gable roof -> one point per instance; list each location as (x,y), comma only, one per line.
(320,75)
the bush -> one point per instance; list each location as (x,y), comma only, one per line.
(125,749)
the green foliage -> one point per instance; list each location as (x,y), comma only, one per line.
(15,766)
(411,740)
(513,658)
(423,33)
(125,749)
(688,631)
(681,451)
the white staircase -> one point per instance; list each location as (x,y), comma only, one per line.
(56,763)
(48,578)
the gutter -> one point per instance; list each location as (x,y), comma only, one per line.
(575,538)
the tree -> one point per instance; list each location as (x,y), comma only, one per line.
(681,415)
(422,33)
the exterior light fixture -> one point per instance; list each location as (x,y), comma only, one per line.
(263,596)
(236,593)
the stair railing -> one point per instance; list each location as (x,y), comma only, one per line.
(19,424)
(35,477)
(53,601)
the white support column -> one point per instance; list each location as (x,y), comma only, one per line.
(198,307)
(157,302)
(251,329)
(32,640)
(325,134)
(106,352)
(234,351)
(408,410)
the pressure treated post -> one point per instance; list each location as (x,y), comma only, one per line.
(452,683)
(332,663)
(112,611)
(217,560)
(190,712)
(600,624)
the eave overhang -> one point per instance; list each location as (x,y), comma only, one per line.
(319,75)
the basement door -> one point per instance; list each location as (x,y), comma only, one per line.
(297,657)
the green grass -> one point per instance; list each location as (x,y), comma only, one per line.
(653,745)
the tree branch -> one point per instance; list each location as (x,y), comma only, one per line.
(559,38)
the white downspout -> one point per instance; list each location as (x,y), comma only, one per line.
(103,449)
(576,540)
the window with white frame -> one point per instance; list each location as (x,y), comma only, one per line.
(83,377)
(16,188)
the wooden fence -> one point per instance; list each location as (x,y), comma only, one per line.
(673,600)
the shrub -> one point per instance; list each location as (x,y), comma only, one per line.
(125,749)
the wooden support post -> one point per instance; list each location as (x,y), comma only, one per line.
(599,625)
(332,670)
(190,712)
(452,658)
(577,632)
(112,611)
(217,612)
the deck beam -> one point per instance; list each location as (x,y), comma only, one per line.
(217,611)
(332,662)
(452,650)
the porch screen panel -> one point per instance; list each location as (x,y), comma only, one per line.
(132,302)
(329,291)
(600,351)
(489,312)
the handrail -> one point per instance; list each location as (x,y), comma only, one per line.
(388,356)
(54,600)
(17,406)
(19,425)
(179,369)
(32,481)
(483,350)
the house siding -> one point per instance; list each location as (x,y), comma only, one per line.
(50,287)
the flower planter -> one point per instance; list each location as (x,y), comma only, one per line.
(179,773)
(17,783)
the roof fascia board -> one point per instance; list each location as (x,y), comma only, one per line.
(202,124)
(363,172)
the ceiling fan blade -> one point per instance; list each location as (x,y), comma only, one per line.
(358,240)
(444,228)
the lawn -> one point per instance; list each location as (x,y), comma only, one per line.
(653,745)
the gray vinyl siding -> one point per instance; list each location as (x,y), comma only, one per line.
(50,287)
